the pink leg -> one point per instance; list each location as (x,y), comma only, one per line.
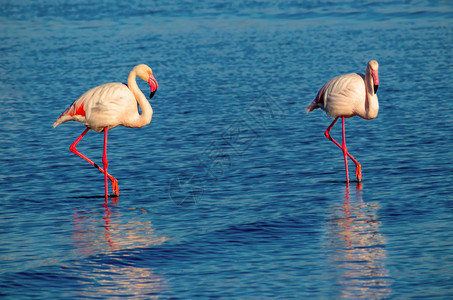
(75,151)
(358,167)
(345,152)
(106,164)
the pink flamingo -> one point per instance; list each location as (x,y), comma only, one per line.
(106,106)
(347,96)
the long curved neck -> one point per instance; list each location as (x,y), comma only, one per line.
(147,111)
(371,102)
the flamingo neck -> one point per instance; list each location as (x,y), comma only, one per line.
(371,102)
(147,111)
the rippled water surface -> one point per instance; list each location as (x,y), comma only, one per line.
(232,191)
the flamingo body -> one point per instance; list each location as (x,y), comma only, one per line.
(347,96)
(106,106)
(343,96)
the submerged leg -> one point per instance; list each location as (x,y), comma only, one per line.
(75,151)
(358,168)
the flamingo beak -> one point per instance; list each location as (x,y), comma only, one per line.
(374,74)
(153,85)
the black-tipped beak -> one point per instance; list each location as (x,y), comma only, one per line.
(375,88)
(152,94)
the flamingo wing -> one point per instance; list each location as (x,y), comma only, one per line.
(340,96)
(75,112)
(100,107)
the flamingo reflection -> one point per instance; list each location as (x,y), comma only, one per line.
(109,232)
(358,248)
(95,233)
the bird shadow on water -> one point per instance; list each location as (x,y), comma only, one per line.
(357,247)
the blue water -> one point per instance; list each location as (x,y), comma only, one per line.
(232,191)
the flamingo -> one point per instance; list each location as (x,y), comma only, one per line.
(347,96)
(104,107)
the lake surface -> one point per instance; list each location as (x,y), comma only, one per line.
(232,191)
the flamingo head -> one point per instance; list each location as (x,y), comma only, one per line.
(153,85)
(145,73)
(373,66)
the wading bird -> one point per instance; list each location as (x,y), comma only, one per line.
(347,96)
(106,106)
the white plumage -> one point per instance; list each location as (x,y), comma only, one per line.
(350,95)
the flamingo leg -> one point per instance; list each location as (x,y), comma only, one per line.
(74,150)
(106,164)
(358,167)
(345,152)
